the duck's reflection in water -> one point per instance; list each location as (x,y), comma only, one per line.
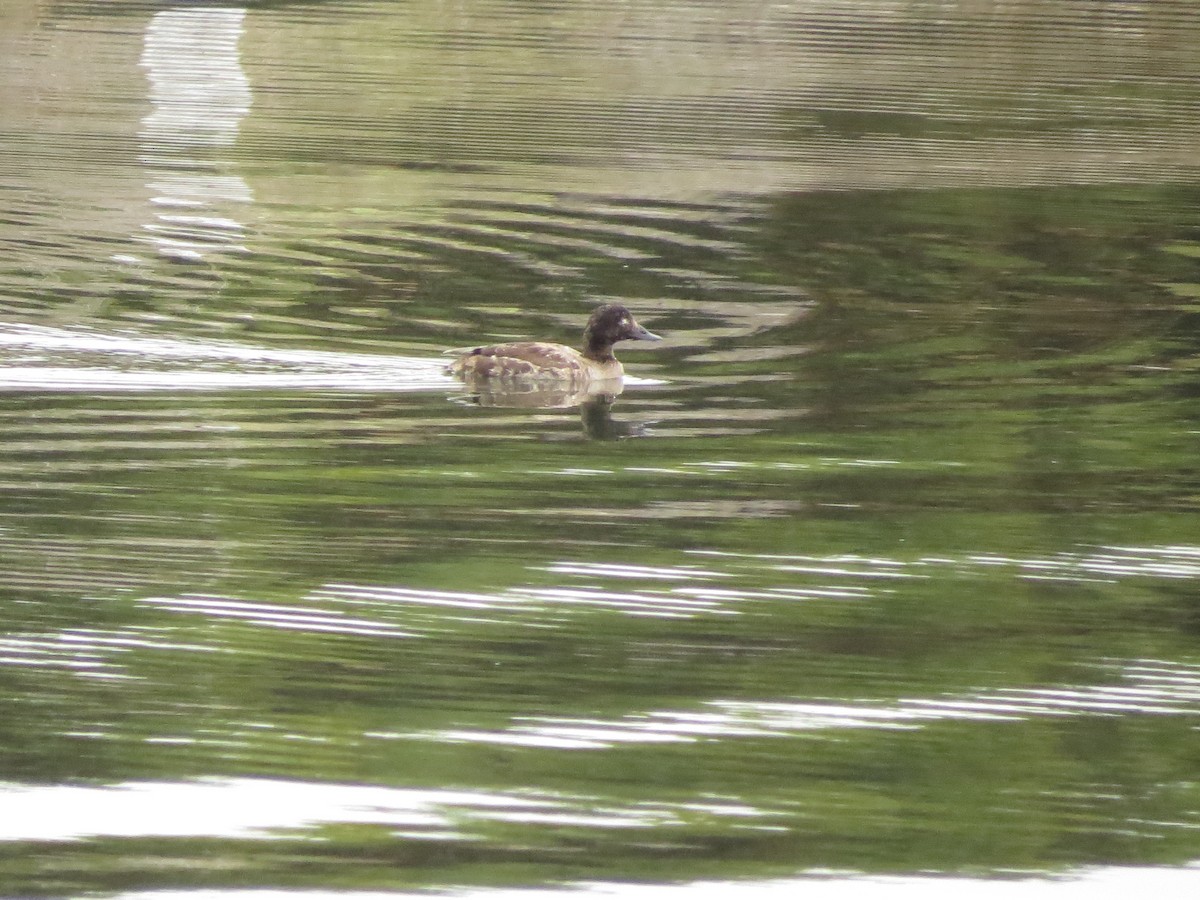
(594,400)
(599,425)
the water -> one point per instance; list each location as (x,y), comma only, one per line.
(879,575)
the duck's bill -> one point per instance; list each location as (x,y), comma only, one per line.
(638,333)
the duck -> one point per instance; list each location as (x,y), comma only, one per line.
(542,362)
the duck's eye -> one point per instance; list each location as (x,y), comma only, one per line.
(625,321)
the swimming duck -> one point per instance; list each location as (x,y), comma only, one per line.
(525,361)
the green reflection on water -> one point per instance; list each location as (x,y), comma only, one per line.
(926,508)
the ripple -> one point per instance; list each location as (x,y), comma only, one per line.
(1107,565)
(87,652)
(1147,687)
(532,603)
(743,580)
(666,573)
(274,615)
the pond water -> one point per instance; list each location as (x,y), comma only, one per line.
(881,574)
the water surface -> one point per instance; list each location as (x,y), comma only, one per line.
(879,575)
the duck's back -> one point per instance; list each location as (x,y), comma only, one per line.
(522,360)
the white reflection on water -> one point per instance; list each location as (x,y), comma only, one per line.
(275,615)
(263,808)
(1080,884)
(241,808)
(620,570)
(199,95)
(85,651)
(60,359)
(1100,564)
(685,591)
(1145,686)
(1106,564)
(409,602)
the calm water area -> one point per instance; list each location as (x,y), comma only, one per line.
(881,575)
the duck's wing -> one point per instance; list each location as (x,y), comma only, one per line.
(532,358)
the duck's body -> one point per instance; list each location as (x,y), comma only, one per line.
(540,362)
(533,360)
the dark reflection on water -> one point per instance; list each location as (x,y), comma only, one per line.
(897,577)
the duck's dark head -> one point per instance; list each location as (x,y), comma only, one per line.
(611,323)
